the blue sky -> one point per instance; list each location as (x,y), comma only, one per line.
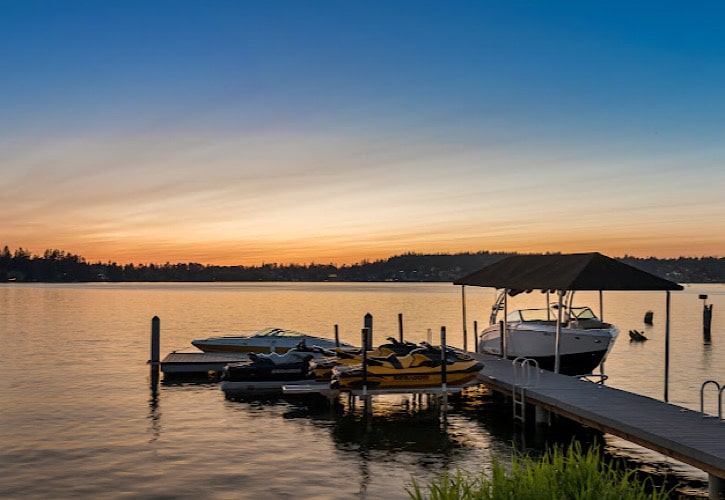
(299,131)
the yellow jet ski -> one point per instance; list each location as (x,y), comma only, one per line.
(321,369)
(419,368)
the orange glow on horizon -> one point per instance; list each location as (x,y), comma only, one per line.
(339,254)
(346,144)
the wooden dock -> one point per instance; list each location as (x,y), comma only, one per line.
(677,432)
(680,433)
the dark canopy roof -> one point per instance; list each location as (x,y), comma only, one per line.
(584,271)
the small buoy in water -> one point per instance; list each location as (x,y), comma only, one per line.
(648,317)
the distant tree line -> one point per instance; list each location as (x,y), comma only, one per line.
(57,266)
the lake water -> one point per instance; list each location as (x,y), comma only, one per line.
(80,417)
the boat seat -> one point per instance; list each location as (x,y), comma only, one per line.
(394,360)
(423,360)
(587,324)
(391,359)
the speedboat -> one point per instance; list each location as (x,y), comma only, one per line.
(269,372)
(584,343)
(266,340)
(419,368)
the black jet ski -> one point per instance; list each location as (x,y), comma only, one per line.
(292,365)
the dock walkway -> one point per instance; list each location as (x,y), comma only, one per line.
(680,433)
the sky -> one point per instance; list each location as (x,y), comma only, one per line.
(250,132)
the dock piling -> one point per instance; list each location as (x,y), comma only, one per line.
(475,336)
(715,487)
(368,324)
(155,363)
(542,416)
(706,319)
(400,326)
(443,358)
(444,362)
(155,340)
(365,347)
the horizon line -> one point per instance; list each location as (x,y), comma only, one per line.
(363,261)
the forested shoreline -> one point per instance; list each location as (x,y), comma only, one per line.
(58,266)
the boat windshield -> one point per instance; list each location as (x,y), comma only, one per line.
(582,313)
(579,313)
(278,332)
(529,315)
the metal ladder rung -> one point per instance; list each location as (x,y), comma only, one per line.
(720,389)
(520,406)
(525,365)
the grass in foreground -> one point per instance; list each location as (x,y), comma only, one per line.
(558,475)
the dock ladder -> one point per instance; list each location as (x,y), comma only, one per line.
(525,374)
(720,390)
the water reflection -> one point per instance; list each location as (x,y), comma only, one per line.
(154,412)
(383,429)
(390,424)
(411,434)
(395,430)
(406,424)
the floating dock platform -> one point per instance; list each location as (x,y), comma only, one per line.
(190,364)
(324,389)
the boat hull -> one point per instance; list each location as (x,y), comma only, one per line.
(268,340)
(246,372)
(581,351)
(207,347)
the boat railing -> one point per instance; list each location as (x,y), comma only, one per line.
(526,373)
(720,389)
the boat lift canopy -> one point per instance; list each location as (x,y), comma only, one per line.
(582,271)
(569,272)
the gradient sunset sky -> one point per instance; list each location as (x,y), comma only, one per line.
(243,132)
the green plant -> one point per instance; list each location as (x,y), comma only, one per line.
(558,475)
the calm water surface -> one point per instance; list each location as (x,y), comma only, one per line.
(80,417)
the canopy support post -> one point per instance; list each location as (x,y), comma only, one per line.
(557,361)
(667,346)
(601,306)
(504,333)
(548,306)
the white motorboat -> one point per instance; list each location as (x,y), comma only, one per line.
(266,340)
(584,343)
(569,340)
